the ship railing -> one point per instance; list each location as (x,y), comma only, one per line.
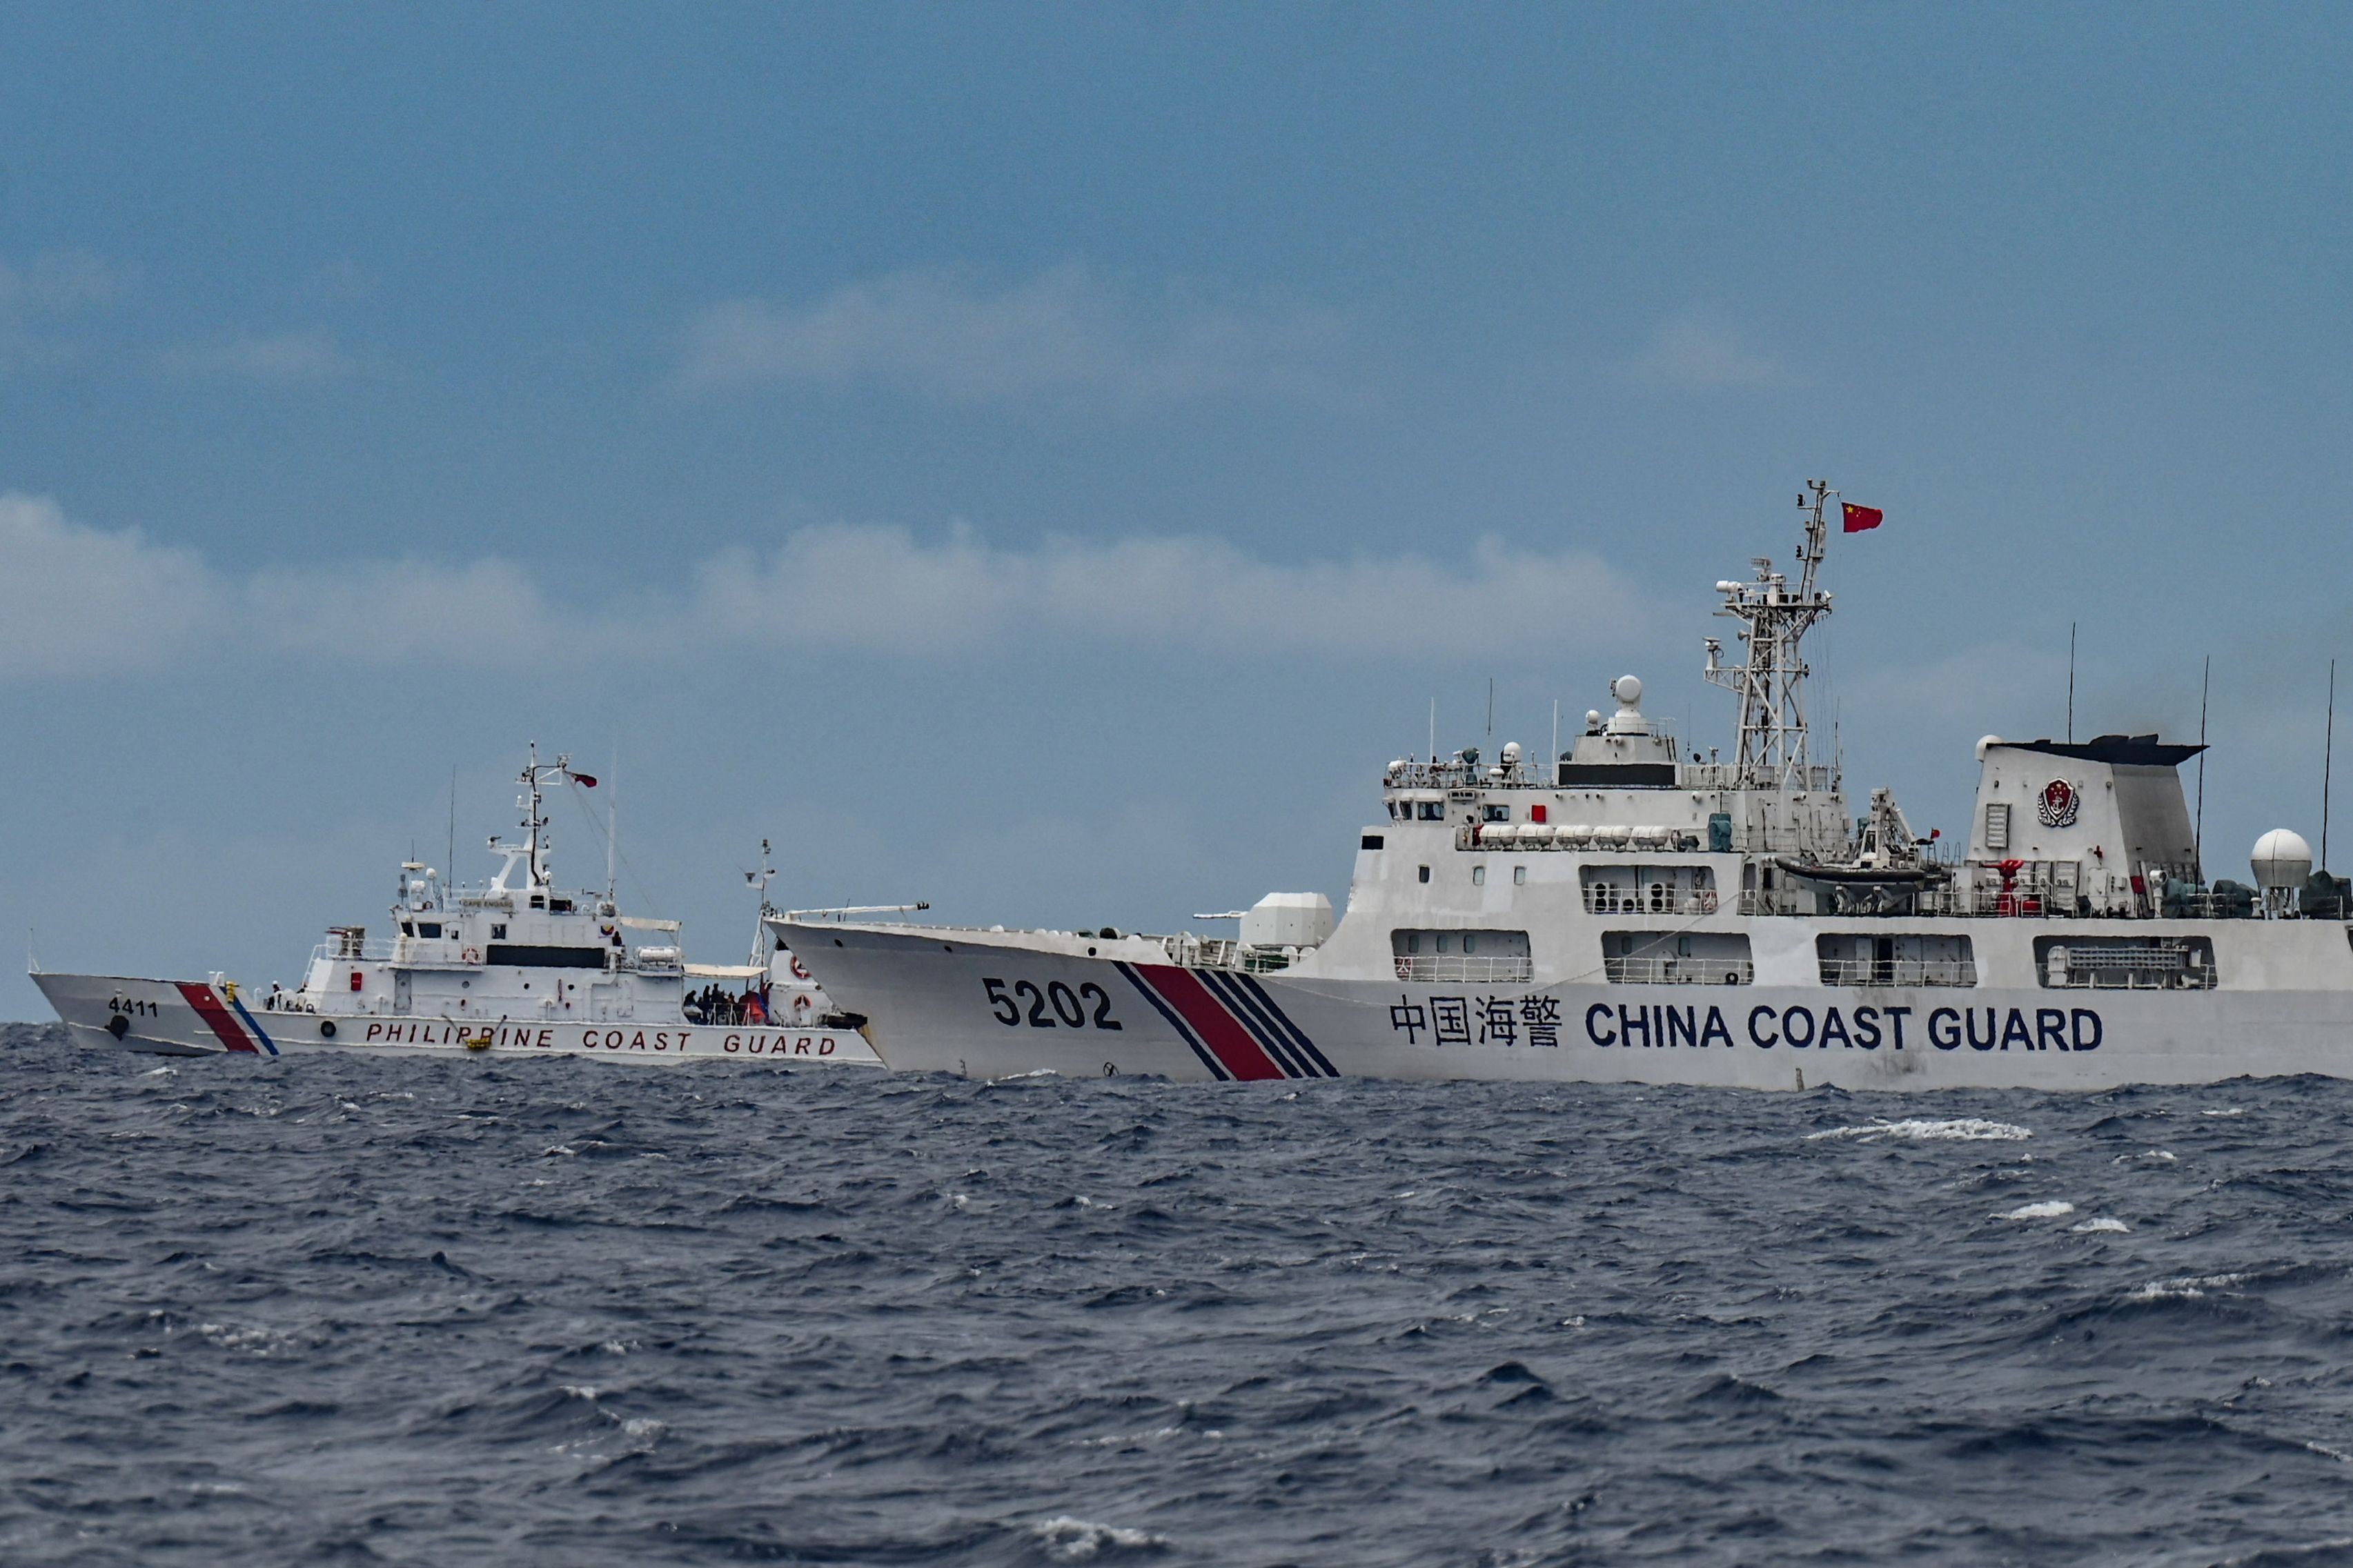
(1504,838)
(1528,772)
(1476,970)
(344,950)
(1899,972)
(1632,971)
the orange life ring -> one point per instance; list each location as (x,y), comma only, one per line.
(799,973)
(472,955)
(1708,900)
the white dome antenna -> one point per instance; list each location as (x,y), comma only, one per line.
(2282,861)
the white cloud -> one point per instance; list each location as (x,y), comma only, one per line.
(60,283)
(265,356)
(79,601)
(1696,353)
(882,588)
(1066,332)
(874,589)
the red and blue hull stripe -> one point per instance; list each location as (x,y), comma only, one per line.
(1230,1022)
(235,1036)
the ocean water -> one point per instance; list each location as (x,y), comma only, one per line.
(362,1310)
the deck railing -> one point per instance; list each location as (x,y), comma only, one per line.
(1899,972)
(1471,970)
(1638,971)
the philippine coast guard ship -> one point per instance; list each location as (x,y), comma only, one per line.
(512,967)
(1626,911)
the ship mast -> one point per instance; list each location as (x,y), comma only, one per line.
(1773,751)
(534,816)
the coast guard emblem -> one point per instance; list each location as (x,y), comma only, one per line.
(2058,804)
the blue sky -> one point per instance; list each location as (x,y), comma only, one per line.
(1045,459)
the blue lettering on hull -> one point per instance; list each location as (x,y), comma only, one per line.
(1800,1027)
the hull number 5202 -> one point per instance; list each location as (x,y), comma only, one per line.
(1055,1006)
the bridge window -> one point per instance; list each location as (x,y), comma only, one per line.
(1490,812)
(1432,811)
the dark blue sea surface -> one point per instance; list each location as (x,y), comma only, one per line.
(360,1309)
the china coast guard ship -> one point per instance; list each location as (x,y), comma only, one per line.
(1625,911)
(512,967)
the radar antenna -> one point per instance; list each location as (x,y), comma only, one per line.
(1775,745)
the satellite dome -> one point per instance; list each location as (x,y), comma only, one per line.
(1511,753)
(1626,689)
(1986,743)
(2281,859)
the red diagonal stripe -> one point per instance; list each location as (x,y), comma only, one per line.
(209,1009)
(1236,1050)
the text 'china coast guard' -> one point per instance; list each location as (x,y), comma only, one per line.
(1628,910)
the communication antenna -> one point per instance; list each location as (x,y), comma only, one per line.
(1433,729)
(613,827)
(2197,833)
(759,880)
(2070,683)
(2327,755)
(451,863)
(1555,732)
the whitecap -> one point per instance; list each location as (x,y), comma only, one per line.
(2103,1223)
(2050,1208)
(1926,1130)
(2184,1287)
(1069,1539)
(2226,1110)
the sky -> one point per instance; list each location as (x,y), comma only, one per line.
(1045,460)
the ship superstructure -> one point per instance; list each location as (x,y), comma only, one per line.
(1627,910)
(515,964)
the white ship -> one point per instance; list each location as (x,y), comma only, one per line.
(1626,911)
(512,967)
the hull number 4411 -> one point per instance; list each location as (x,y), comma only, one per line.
(1054,1006)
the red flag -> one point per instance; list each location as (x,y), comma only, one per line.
(1859,518)
(585,781)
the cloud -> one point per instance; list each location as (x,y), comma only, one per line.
(882,588)
(79,601)
(878,591)
(48,303)
(280,357)
(1067,332)
(1695,352)
(60,283)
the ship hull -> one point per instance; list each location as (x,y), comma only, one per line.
(196,1018)
(955,1001)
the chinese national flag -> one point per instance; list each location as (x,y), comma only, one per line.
(1859,518)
